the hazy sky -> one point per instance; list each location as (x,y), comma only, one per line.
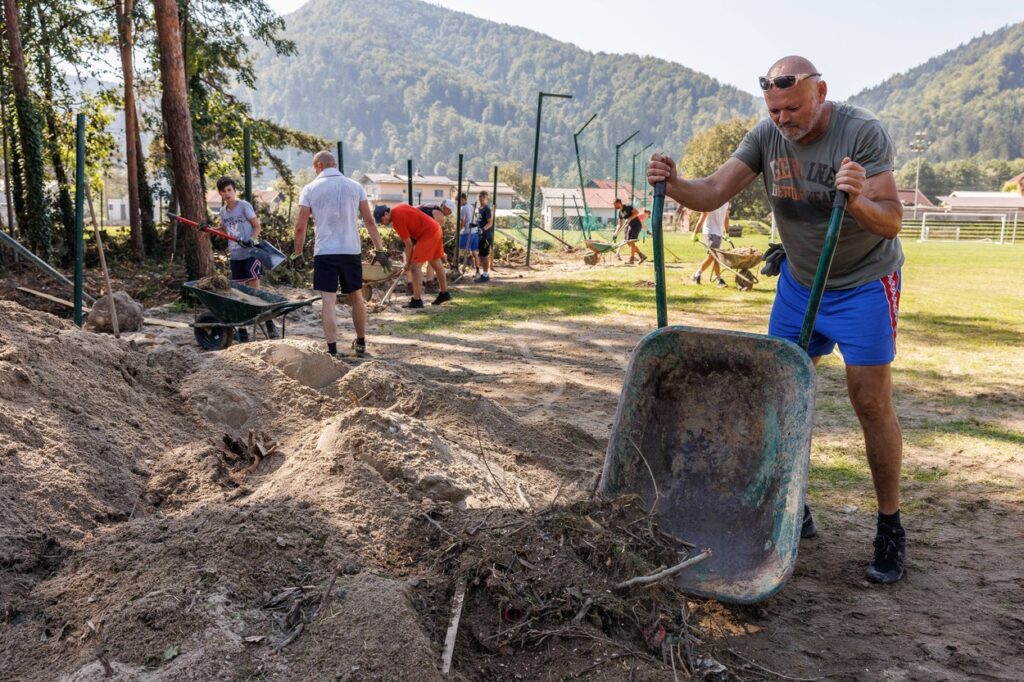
(855,44)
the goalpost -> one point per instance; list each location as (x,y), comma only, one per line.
(989,227)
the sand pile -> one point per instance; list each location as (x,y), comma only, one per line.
(136,535)
(82,418)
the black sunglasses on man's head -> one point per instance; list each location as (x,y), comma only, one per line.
(783,82)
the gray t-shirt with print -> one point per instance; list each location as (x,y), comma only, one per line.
(235,221)
(800,181)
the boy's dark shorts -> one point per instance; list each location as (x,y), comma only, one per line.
(330,270)
(486,242)
(246,269)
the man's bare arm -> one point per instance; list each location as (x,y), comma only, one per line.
(873,202)
(371,225)
(300,229)
(705,194)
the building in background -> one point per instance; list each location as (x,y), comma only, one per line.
(391,189)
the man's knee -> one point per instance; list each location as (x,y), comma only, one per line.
(871,403)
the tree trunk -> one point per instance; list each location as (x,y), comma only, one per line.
(7,156)
(37,216)
(67,209)
(178,124)
(149,236)
(123,11)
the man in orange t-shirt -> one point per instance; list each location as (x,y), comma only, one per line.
(423,244)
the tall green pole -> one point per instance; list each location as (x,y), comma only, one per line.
(458,220)
(409,167)
(80,216)
(341,157)
(247,162)
(533,182)
(579,167)
(632,188)
(660,295)
(617,148)
(494,198)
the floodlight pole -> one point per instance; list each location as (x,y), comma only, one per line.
(409,178)
(919,145)
(579,167)
(632,189)
(617,148)
(533,182)
(247,162)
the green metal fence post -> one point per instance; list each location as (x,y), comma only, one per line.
(494,199)
(341,157)
(80,216)
(533,182)
(247,162)
(632,188)
(458,220)
(409,167)
(579,168)
(617,148)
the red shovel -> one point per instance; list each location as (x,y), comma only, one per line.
(265,252)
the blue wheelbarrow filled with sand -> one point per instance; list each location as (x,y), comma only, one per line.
(713,432)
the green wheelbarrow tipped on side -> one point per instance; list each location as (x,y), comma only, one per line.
(723,419)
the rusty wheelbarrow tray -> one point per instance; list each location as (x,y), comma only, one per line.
(713,431)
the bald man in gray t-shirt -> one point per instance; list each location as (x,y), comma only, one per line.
(806,150)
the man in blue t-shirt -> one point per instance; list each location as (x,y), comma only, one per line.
(806,150)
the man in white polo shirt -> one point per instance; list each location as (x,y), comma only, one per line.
(333,201)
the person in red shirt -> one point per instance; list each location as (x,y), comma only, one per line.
(423,244)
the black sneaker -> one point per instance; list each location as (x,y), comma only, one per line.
(442,297)
(272,330)
(721,283)
(415,303)
(890,555)
(241,334)
(696,278)
(808,529)
(359,346)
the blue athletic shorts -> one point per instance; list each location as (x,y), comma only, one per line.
(246,269)
(330,270)
(469,242)
(861,320)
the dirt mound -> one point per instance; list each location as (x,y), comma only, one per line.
(82,416)
(270,512)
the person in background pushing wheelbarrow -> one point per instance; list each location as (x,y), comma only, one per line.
(238,218)
(713,225)
(631,218)
(333,201)
(806,150)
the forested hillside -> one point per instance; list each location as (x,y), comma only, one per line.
(970,100)
(398,79)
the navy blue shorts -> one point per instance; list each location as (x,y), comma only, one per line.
(249,268)
(861,320)
(486,242)
(330,270)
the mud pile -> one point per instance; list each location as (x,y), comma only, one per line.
(141,533)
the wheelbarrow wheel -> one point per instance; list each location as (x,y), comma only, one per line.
(213,338)
(590,259)
(745,280)
(367,293)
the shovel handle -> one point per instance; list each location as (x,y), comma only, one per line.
(828,250)
(204,228)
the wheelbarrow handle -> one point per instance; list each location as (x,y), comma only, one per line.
(657,212)
(828,250)
(204,228)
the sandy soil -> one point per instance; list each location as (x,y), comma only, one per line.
(365,449)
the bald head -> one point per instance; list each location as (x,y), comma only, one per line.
(324,159)
(791,65)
